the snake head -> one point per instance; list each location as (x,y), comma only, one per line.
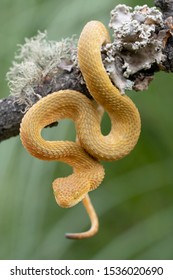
(70,190)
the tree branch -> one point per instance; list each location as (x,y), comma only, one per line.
(166,7)
(12,109)
(142,45)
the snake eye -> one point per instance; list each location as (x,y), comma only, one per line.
(76,195)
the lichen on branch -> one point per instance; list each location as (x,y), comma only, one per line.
(39,61)
(137,45)
(137,48)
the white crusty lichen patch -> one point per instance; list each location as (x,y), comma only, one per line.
(136,45)
(36,59)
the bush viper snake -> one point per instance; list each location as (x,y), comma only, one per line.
(92,146)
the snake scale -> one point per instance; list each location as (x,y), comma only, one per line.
(92,146)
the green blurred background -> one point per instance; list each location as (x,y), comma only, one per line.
(135,201)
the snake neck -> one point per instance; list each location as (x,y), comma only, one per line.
(124,116)
(95,75)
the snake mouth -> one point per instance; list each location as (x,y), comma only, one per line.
(64,203)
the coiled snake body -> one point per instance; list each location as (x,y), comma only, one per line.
(92,146)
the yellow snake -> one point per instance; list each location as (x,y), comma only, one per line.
(92,146)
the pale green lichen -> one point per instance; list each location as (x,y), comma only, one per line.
(36,59)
